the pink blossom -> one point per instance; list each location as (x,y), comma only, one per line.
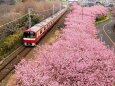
(78,58)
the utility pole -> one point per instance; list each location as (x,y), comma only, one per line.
(29,18)
(53,10)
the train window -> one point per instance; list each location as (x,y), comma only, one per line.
(32,35)
(44,28)
(29,34)
(40,31)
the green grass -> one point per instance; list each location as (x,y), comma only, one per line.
(103,20)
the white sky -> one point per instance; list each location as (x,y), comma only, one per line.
(72,0)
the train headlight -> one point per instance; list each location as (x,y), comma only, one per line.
(33,44)
(25,43)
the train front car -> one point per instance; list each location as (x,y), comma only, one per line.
(29,38)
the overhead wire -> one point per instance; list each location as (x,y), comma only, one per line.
(55,8)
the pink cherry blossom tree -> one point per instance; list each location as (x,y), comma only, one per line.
(78,58)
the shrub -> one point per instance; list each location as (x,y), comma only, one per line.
(8,43)
(100,18)
(103,20)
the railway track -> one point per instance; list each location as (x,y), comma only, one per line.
(8,65)
(13,59)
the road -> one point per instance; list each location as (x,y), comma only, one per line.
(106,33)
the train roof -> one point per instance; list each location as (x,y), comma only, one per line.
(38,26)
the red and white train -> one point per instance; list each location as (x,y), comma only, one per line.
(33,35)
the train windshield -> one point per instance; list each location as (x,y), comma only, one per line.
(29,35)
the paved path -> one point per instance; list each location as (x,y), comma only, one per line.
(106,33)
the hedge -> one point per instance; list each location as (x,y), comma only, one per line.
(102,20)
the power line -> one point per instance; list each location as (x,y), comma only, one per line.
(29,13)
